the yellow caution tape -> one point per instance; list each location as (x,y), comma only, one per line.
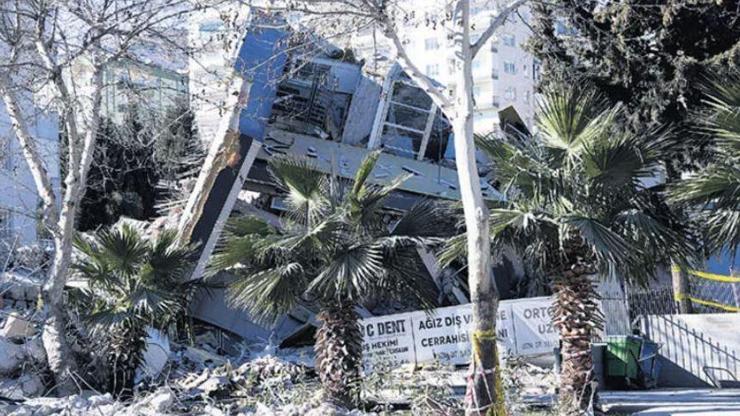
(725,307)
(710,276)
(478,336)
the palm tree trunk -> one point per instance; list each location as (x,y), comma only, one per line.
(339,353)
(126,353)
(577,317)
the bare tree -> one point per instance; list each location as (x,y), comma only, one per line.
(393,19)
(56,52)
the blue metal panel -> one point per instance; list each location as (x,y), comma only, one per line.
(724,263)
(261,61)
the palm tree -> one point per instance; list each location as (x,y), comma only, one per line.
(335,248)
(714,192)
(131,284)
(577,206)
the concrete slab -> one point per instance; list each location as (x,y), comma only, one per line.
(677,399)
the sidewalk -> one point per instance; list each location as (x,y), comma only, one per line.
(664,402)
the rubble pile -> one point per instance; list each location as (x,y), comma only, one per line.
(22,357)
(218,374)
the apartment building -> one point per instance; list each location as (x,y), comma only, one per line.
(19,201)
(323,108)
(504,73)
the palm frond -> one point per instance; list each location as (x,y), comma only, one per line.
(405,279)
(616,161)
(718,185)
(364,204)
(521,168)
(723,122)
(364,171)
(247,225)
(426,219)
(350,274)
(266,294)
(571,118)
(455,248)
(103,321)
(722,231)
(123,248)
(243,242)
(517,219)
(303,183)
(603,241)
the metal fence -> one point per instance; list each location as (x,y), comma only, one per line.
(691,349)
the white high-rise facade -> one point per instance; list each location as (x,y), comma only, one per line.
(504,73)
(19,200)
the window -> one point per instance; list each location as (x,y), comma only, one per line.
(510,67)
(431,44)
(476,64)
(496,101)
(494,73)
(494,46)
(526,96)
(413,126)
(6,158)
(525,71)
(5,223)
(509,40)
(511,94)
(433,70)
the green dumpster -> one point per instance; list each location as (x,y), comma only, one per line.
(622,352)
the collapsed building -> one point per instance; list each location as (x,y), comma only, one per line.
(272,99)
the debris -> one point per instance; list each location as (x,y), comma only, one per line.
(11,356)
(19,287)
(25,386)
(34,349)
(155,356)
(262,410)
(16,326)
(213,384)
(160,401)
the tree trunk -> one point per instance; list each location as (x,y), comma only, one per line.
(61,362)
(339,354)
(482,397)
(577,316)
(681,288)
(53,336)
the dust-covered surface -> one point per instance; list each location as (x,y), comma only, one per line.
(219,375)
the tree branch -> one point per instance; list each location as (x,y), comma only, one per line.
(497,22)
(31,155)
(434,91)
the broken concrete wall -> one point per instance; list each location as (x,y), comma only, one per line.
(361,116)
(257,70)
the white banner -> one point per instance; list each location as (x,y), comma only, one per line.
(535,333)
(523,327)
(387,340)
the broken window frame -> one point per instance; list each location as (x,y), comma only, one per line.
(381,123)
